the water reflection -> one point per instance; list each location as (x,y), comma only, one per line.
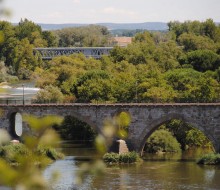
(66,170)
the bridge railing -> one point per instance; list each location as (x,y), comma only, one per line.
(15,101)
(19,102)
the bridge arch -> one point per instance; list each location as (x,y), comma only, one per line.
(84,119)
(155,124)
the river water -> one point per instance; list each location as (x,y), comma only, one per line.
(157,172)
(16,93)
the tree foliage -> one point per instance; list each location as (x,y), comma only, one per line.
(17,48)
(162,141)
(87,36)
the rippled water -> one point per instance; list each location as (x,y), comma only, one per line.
(157,172)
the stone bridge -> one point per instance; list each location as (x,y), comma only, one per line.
(95,52)
(145,118)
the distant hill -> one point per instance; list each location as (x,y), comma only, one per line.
(161,26)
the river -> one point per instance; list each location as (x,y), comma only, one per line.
(157,172)
(16,93)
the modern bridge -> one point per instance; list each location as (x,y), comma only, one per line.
(95,52)
(145,118)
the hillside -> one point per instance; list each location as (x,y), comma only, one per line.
(113,26)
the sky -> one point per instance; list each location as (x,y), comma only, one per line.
(116,11)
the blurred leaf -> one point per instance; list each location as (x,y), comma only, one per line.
(123,119)
(39,125)
(4,137)
(109,129)
(123,134)
(8,174)
(100,144)
(31,142)
(49,138)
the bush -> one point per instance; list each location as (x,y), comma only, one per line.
(129,157)
(209,159)
(111,157)
(49,152)
(162,141)
(11,152)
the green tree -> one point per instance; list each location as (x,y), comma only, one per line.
(193,86)
(94,86)
(203,60)
(187,135)
(167,55)
(192,42)
(49,94)
(86,36)
(162,141)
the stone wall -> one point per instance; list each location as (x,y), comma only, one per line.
(146,118)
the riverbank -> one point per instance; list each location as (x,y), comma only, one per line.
(14,151)
(209,159)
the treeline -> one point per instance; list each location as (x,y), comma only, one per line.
(86,36)
(182,65)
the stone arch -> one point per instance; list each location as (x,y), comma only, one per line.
(86,120)
(154,125)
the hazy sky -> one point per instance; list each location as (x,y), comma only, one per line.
(118,11)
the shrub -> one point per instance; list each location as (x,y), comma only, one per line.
(111,157)
(129,157)
(209,159)
(162,140)
(11,151)
(49,152)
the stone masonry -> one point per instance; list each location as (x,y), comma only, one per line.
(146,118)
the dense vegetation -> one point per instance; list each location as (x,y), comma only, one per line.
(16,50)
(175,136)
(177,66)
(87,36)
